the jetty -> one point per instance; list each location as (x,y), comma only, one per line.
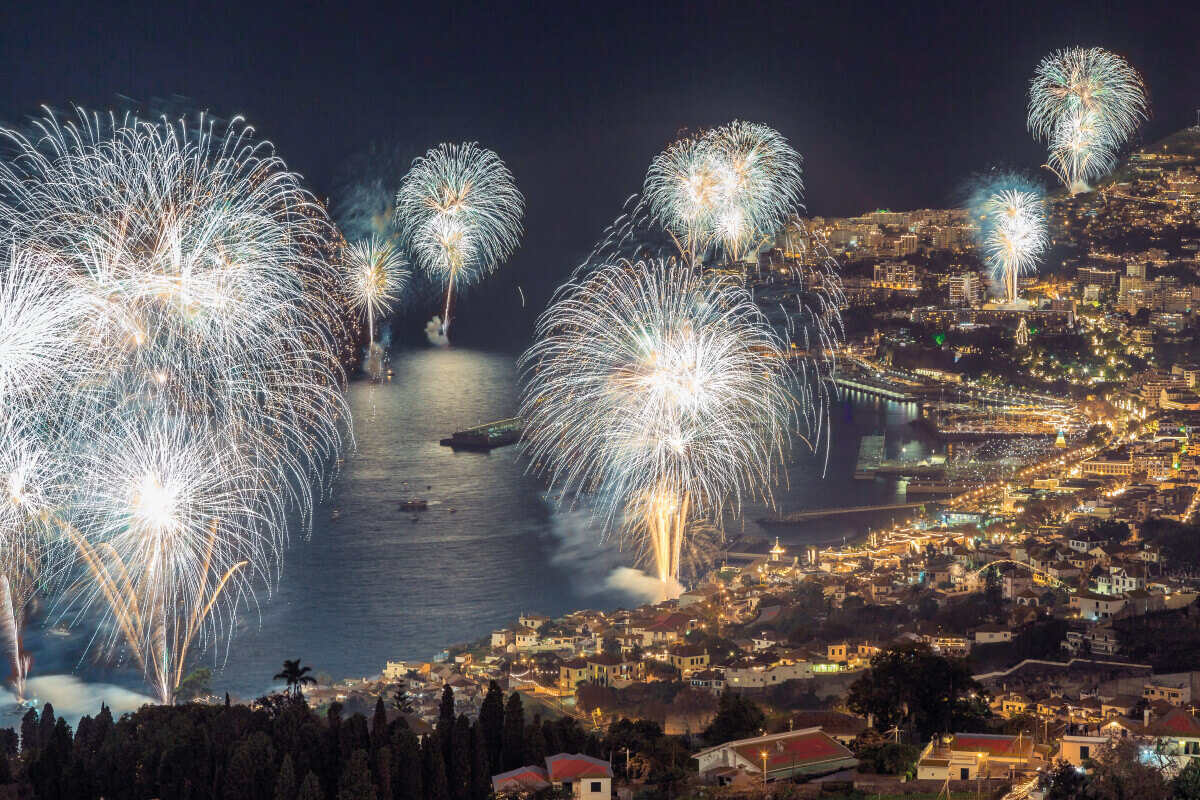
(870,456)
(802,516)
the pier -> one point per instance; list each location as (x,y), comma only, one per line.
(801,516)
(487,436)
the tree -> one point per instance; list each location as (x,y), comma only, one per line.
(1124,771)
(481,774)
(406,765)
(198,683)
(1064,782)
(285,781)
(433,769)
(379,732)
(491,718)
(514,733)
(400,699)
(29,734)
(251,774)
(1187,782)
(311,788)
(737,717)
(355,781)
(908,684)
(458,767)
(296,677)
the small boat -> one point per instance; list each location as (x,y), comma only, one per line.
(415,518)
(61,629)
(428,487)
(415,504)
(453,510)
(335,514)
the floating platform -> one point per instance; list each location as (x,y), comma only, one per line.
(487,436)
(416,504)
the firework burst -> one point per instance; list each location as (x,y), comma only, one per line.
(1085,103)
(1010,211)
(203,325)
(732,188)
(459,213)
(665,393)
(374,276)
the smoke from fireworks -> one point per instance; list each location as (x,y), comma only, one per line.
(1085,103)
(459,213)
(192,389)
(663,391)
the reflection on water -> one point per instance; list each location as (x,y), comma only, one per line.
(372,584)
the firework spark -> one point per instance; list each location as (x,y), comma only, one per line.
(204,326)
(1085,103)
(663,391)
(459,213)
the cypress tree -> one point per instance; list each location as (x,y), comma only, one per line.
(379,734)
(311,788)
(481,773)
(445,724)
(355,781)
(285,781)
(406,765)
(491,717)
(514,734)
(458,774)
(46,725)
(433,764)
(29,734)
(535,743)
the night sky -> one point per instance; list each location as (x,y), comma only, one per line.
(891,104)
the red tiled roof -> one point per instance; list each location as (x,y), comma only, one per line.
(1178,723)
(521,777)
(994,745)
(800,749)
(565,767)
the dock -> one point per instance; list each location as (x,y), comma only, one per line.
(802,516)
(487,436)
(870,456)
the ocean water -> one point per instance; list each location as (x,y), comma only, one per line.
(372,585)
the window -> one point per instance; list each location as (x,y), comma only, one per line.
(964,773)
(595,787)
(1084,752)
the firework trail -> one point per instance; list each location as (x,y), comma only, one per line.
(663,391)
(1085,103)
(459,213)
(1012,226)
(205,324)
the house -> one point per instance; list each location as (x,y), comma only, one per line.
(585,777)
(712,680)
(1177,734)
(977,755)
(1175,693)
(701,594)
(1078,749)
(992,634)
(688,658)
(572,672)
(606,669)
(1093,606)
(1014,705)
(502,639)
(780,756)
(760,676)
(1121,705)
(526,638)
(765,640)
(535,621)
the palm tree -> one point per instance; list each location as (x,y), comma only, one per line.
(296,677)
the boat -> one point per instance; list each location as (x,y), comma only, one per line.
(415,518)
(415,504)
(61,629)
(453,510)
(335,514)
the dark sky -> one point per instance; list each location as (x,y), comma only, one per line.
(891,104)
